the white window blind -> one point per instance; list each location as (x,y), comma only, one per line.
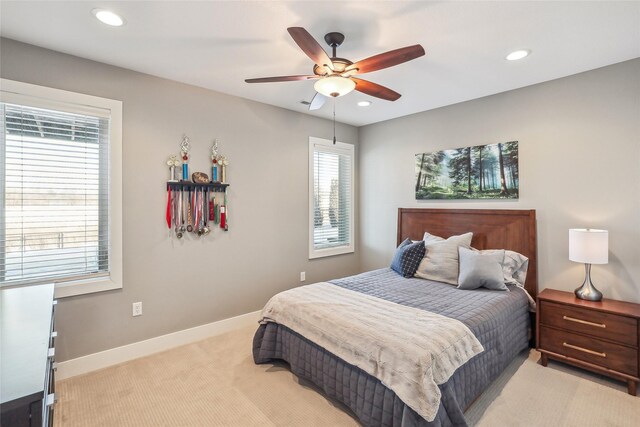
(331,198)
(54,172)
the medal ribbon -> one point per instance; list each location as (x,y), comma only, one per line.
(178,216)
(168,213)
(189,209)
(199,210)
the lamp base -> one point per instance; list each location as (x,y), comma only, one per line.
(587,291)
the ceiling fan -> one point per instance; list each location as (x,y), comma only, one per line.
(335,75)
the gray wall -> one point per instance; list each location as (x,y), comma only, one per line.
(183,284)
(579,167)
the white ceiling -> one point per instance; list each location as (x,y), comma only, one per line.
(217,45)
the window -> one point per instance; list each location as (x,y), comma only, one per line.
(331,170)
(59,195)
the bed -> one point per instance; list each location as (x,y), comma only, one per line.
(501,321)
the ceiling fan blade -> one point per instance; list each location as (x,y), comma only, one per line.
(387,59)
(310,46)
(375,89)
(317,102)
(280,79)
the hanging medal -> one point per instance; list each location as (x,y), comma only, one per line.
(226,213)
(205,216)
(194,227)
(223,214)
(189,213)
(179,226)
(183,229)
(216,208)
(196,213)
(200,213)
(212,212)
(168,212)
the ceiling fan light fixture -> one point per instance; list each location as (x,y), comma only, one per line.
(335,75)
(364,103)
(108,17)
(517,54)
(334,86)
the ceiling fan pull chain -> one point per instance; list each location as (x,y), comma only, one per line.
(334,121)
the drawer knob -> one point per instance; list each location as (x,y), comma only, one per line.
(585,350)
(584,322)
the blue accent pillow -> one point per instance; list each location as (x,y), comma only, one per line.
(407,257)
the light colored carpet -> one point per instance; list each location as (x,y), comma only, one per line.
(215,383)
(530,395)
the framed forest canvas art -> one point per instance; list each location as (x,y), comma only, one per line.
(480,172)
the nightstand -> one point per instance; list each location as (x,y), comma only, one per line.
(601,336)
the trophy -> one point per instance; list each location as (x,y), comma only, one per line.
(184,151)
(214,161)
(223,162)
(173,163)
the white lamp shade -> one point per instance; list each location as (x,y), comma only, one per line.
(589,246)
(334,86)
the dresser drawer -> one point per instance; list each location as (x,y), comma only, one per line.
(621,329)
(602,353)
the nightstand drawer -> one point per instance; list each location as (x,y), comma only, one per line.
(602,353)
(621,329)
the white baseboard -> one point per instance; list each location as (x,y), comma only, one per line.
(103,359)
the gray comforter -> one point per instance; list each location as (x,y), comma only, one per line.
(500,321)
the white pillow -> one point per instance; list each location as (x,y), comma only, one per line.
(441,260)
(427,237)
(514,266)
(481,269)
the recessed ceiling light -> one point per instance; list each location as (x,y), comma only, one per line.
(364,103)
(108,17)
(518,54)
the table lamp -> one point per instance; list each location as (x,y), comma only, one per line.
(589,246)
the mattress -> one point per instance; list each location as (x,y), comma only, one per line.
(500,321)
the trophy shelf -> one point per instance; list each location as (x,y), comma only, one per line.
(188,185)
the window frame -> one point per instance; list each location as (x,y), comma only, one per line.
(341,148)
(12,91)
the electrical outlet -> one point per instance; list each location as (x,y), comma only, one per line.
(137,309)
(303,276)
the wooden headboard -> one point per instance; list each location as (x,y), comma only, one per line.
(492,229)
